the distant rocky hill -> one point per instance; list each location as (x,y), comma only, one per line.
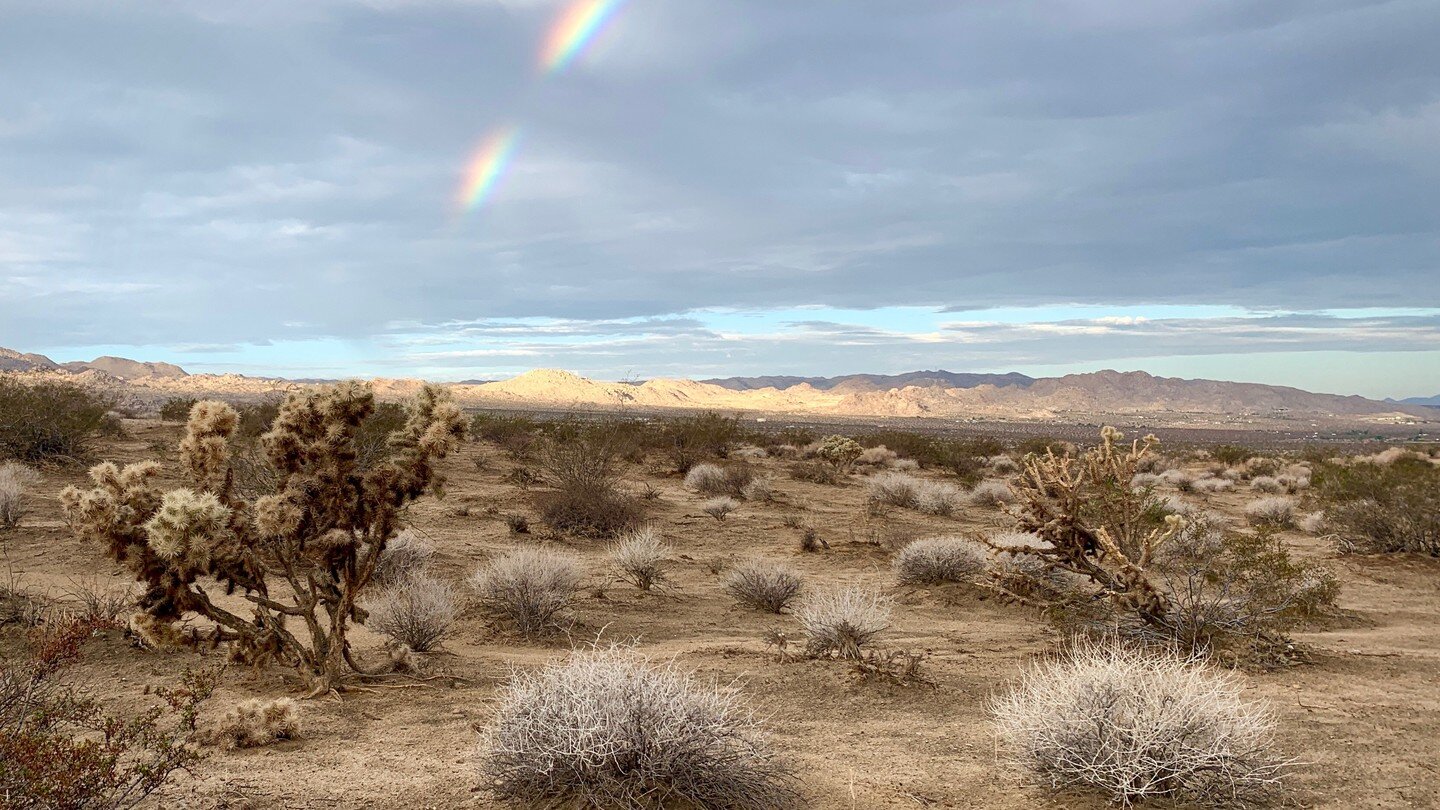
(120,367)
(875,382)
(1429,402)
(939,394)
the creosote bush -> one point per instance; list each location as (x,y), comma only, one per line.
(51,421)
(417,611)
(763,584)
(254,723)
(843,623)
(640,557)
(609,728)
(529,587)
(584,465)
(1140,724)
(322,531)
(936,560)
(1379,507)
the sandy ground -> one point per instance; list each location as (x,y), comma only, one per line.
(1363,717)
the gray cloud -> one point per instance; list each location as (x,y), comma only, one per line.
(230,174)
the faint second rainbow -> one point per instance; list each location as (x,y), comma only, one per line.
(487,167)
(573,29)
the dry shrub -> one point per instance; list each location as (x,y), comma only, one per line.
(719,508)
(1276,511)
(763,584)
(1267,484)
(45,420)
(517,524)
(1026,573)
(407,554)
(992,493)
(640,556)
(906,465)
(1213,485)
(938,498)
(713,479)
(1180,479)
(608,728)
(891,489)
(760,489)
(939,559)
(1293,483)
(416,612)
(1144,480)
(815,473)
(1003,465)
(528,587)
(1313,523)
(877,456)
(1136,725)
(254,723)
(15,478)
(843,623)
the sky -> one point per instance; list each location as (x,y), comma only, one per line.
(468,189)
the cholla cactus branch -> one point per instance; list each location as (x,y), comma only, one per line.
(323,530)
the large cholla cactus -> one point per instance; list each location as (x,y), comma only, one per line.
(321,532)
(1094,524)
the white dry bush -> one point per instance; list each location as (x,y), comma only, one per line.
(1144,480)
(609,728)
(1003,465)
(891,489)
(1267,483)
(1213,485)
(934,560)
(1176,505)
(763,584)
(843,623)
(760,489)
(416,612)
(749,451)
(1275,510)
(15,478)
(253,723)
(1137,724)
(1313,523)
(1016,569)
(707,479)
(938,498)
(992,493)
(529,587)
(407,554)
(1293,483)
(877,456)
(1180,479)
(640,556)
(719,508)
(906,465)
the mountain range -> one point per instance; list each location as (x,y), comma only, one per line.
(939,394)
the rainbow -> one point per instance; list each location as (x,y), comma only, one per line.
(487,166)
(573,29)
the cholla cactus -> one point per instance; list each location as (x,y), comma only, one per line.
(1092,522)
(840,451)
(323,530)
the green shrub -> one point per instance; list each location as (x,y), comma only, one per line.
(177,409)
(1231,454)
(1382,507)
(44,421)
(692,439)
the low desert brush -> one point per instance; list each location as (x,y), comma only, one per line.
(640,557)
(609,728)
(529,587)
(763,584)
(15,479)
(843,623)
(254,723)
(1140,724)
(937,560)
(416,612)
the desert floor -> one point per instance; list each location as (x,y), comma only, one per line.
(1362,716)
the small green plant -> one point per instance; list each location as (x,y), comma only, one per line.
(177,409)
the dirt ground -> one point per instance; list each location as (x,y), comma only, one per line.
(1362,718)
